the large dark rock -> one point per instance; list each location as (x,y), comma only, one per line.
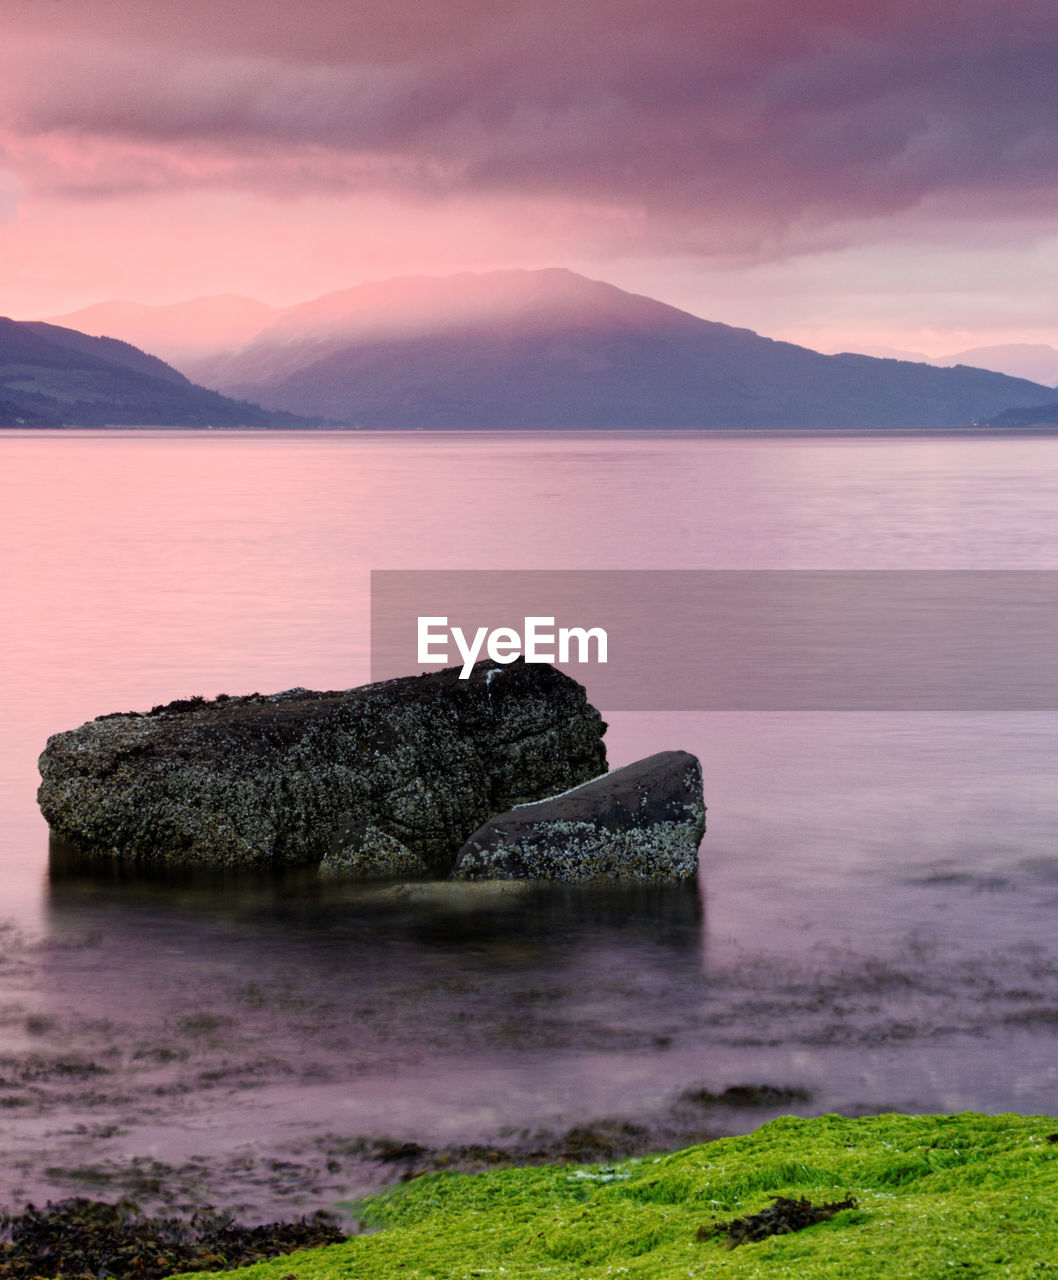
(405,769)
(642,822)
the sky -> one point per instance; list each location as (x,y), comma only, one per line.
(835,172)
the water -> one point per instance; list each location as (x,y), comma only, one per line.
(874,921)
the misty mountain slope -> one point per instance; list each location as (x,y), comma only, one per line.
(1036,361)
(179,332)
(553,349)
(112,350)
(415,307)
(50,376)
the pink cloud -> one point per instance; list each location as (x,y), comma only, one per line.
(158,149)
(705,116)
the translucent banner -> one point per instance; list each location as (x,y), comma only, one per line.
(734,640)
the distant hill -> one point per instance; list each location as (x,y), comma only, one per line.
(893,353)
(52,376)
(1034,360)
(524,349)
(180,332)
(545,349)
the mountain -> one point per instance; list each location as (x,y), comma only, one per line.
(1042,415)
(52,376)
(894,353)
(1033,360)
(181,332)
(550,348)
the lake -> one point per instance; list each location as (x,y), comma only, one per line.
(873,926)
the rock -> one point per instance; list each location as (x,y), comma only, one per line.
(361,851)
(385,778)
(642,822)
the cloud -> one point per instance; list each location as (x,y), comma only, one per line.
(10,194)
(715,128)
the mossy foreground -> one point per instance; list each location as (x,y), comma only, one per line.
(952,1196)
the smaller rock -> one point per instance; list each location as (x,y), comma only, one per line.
(642,822)
(363,851)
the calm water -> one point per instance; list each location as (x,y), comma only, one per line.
(875,919)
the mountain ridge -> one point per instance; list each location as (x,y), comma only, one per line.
(175,331)
(417,307)
(550,348)
(1035,361)
(51,376)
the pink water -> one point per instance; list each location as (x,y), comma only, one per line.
(874,921)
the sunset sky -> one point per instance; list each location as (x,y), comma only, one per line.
(835,172)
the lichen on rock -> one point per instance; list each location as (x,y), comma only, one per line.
(362,851)
(414,764)
(641,822)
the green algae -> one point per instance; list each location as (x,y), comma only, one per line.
(965,1196)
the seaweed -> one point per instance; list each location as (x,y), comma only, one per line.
(80,1237)
(781,1217)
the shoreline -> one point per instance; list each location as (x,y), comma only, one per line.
(1043,430)
(860,1198)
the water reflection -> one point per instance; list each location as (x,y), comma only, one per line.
(281,1017)
(295,903)
(269,1042)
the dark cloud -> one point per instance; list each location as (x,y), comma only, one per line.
(720,121)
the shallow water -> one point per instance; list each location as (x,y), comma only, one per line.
(874,920)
